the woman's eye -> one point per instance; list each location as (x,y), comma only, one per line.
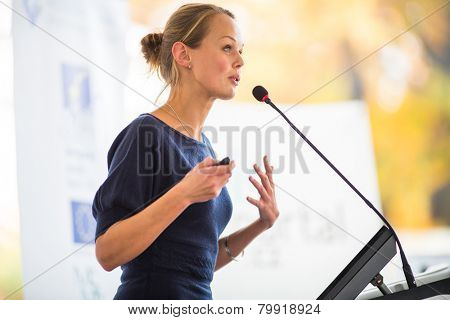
(228,48)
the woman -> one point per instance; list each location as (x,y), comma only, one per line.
(164,204)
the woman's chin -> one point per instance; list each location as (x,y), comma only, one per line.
(228,95)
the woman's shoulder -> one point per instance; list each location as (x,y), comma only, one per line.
(145,122)
(140,132)
(141,127)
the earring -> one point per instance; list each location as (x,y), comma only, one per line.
(189,66)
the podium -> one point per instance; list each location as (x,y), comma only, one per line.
(363,268)
(366,266)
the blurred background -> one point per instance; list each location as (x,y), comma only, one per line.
(294,48)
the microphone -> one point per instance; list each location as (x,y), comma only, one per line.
(261,94)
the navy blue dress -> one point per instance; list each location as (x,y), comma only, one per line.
(146,159)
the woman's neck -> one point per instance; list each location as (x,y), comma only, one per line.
(191,106)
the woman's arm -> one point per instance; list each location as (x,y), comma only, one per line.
(237,241)
(268,214)
(128,238)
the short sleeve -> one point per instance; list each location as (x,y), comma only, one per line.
(131,173)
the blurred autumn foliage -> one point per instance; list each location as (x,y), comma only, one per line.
(295,47)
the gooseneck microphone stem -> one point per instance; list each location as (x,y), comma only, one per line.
(406,267)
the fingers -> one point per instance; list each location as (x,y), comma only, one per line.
(219,170)
(208,161)
(269,171)
(264,179)
(254,202)
(262,191)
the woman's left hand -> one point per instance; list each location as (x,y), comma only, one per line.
(267,204)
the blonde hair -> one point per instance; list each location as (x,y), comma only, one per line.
(189,25)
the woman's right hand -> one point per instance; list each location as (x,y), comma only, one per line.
(206,180)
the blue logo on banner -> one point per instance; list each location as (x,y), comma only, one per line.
(83,222)
(32,9)
(76,89)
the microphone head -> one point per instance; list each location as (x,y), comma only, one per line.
(260,93)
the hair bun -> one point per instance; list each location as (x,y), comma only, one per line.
(151,46)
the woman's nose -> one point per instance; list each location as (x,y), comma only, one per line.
(240,61)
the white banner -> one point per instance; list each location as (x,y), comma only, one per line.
(68,108)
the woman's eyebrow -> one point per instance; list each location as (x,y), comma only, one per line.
(229,37)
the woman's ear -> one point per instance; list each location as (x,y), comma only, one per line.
(180,52)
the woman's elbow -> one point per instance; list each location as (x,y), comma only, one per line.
(102,257)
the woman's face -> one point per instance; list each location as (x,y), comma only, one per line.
(217,62)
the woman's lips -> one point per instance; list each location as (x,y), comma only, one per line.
(234,81)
